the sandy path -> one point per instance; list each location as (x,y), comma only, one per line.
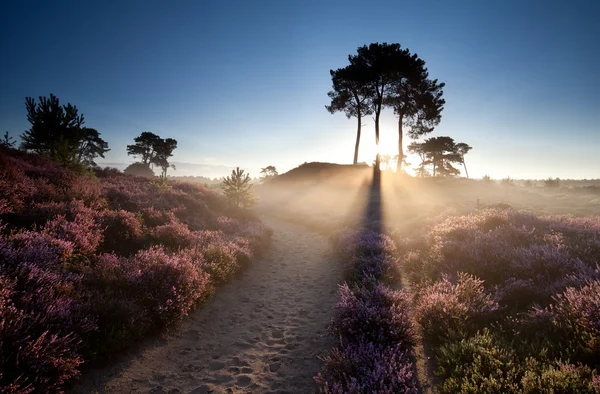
(261,333)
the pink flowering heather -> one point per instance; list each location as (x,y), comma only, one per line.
(447,310)
(364,242)
(83,232)
(365,367)
(371,321)
(373,313)
(122,232)
(89,265)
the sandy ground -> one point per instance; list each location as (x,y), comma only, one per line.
(261,333)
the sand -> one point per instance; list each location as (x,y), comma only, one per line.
(261,333)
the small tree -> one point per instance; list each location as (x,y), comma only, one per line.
(268,172)
(7,141)
(238,189)
(139,169)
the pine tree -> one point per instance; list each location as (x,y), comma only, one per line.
(238,189)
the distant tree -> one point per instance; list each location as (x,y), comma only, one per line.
(163,149)
(440,152)
(268,172)
(508,181)
(144,147)
(552,183)
(57,131)
(350,95)
(462,149)
(416,100)
(385,160)
(419,149)
(7,141)
(238,189)
(139,169)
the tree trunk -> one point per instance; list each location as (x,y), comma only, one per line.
(400,148)
(377,114)
(359,117)
(466,172)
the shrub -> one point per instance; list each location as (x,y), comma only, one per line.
(478,364)
(577,313)
(558,378)
(64,300)
(367,368)
(364,242)
(552,183)
(122,232)
(447,311)
(373,313)
(140,169)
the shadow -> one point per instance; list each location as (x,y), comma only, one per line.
(373,216)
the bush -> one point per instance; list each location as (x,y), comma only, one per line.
(371,321)
(559,378)
(89,265)
(447,311)
(366,368)
(140,169)
(122,232)
(373,313)
(478,364)
(509,300)
(552,183)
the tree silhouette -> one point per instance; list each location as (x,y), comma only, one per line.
(144,147)
(419,149)
(163,149)
(440,152)
(7,141)
(238,189)
(417,101)
(462,149)
(153,151)
(268,172)
(90,146)
(377,62)
(139,169)
(350,95)
(57,131)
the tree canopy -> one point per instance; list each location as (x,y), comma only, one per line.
(385,75)
(439,153)
(268,172)
(153,150)
(351,96)
(58,131)
(238,189)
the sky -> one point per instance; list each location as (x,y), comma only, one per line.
(244,83)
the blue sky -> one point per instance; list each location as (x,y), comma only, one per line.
(244,83)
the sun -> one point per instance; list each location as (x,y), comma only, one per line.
(368,151)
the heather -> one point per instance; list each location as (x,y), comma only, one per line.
(509,300)
(371,321)
(90,263)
